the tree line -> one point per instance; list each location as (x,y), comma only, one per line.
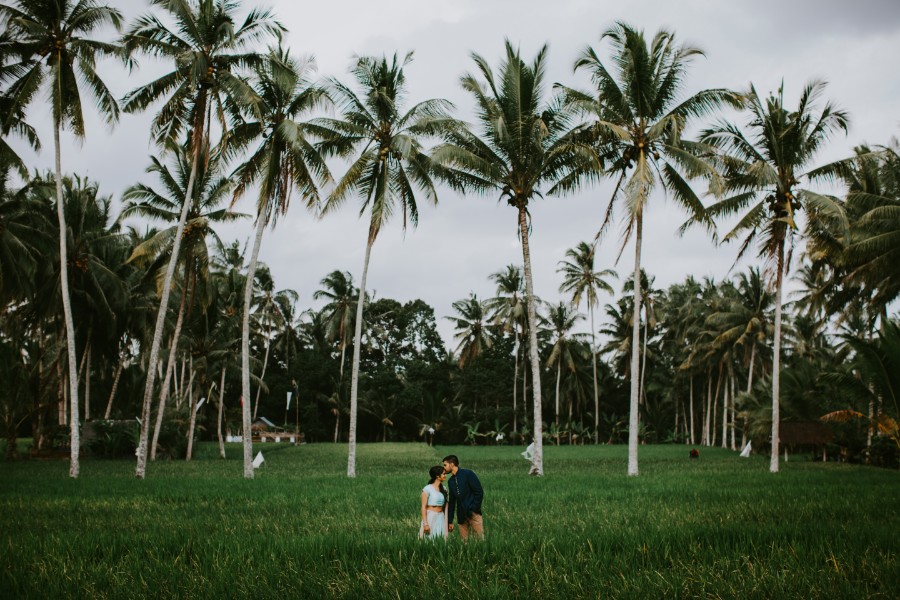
(159,314)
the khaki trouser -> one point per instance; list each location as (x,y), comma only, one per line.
(475,524)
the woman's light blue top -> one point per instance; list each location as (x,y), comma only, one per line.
(435,497)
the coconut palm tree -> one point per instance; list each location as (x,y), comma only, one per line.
(52,40)
(338,289)
(509,312)
(212,189)
(581,281)
(764,164)
(639,118)
(390,165)
(285,159)
(560,320)
(472,329)
(210,54)
(520,152)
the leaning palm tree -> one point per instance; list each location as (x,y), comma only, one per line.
(639,120)
(50,36)
(520,151)
(208,53)
(763,164)
(205,212)
(581,281)
(284,159)
(390,165)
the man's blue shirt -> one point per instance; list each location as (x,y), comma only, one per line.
(466,494)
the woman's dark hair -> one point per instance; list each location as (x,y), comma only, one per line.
(434,473)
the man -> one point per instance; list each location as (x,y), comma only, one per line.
(465,499)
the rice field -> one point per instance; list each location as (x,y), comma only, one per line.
(717,527)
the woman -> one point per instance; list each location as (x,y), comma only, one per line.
(434,506)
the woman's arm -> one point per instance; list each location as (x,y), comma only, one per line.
(425,512)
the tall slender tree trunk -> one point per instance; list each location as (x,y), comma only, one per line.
(245,347)
(261,375)
(706,412)
(558,376)
(515,422)
(643,393)
(87,384)
(219,418)
(537,459)
(115,386)
(74,422)
(633,421)
(725,412)
(524,389)
(692,409)
(170,369)
(354,372)
(776,362)
(192,405)
(198,139)
(715,407)
(596,388)
(733,415)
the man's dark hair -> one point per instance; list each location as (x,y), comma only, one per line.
(452,460)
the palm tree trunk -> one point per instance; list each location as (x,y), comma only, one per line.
(170,369)
(354,372)
(192,406)
(515,422)
(715,407)
(635,349)
(115,386)
(537,460)
(219,418)
(733,409)
(596,389)
(643,393)
(725,411)
(261,375)
(704,439)
(74,431)
(337,425)
(692,409)
(558,375)
(245,348)
(87,384)
(776,362)
(198,136)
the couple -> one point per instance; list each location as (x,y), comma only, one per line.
(464,501)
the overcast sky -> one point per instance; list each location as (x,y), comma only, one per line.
(852,45)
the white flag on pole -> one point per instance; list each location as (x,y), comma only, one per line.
(199,404)
(288,407)
(258,460)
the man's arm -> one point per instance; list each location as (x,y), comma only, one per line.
(451,508)
(477,492)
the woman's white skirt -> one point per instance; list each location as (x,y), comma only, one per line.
(437,521)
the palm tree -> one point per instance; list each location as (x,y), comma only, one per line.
(212,189)
(521,149)
(471,329)
(390,166)
(284,159)
(763,166)
(51,38)
(581,281)
(638,128)
(509,312)
(338,289)
(208,52)
(560,320)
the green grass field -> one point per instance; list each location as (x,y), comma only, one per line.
(717,527)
